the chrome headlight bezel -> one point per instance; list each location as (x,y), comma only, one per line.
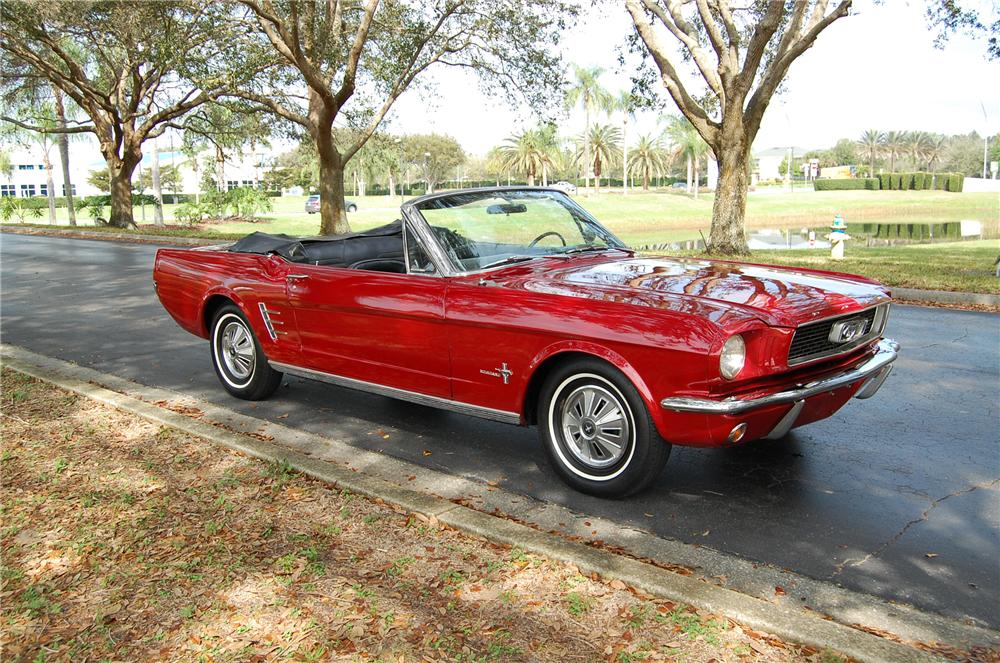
(733,357)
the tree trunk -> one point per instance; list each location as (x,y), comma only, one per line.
(64,156)
(586,145)
(545,174)
(729,210)
(392,185)
(689,172)
(157,189)
(49,183)
(625,154)
(645,182)
(121,189)
(332,209)
(531,178)
(220,168)
(696,176)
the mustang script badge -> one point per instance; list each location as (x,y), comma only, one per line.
(502,372)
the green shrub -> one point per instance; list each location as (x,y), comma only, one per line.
(22,208)
(190,213)
(918,181)
(955,182)
(884,181)
(928,181)
(838,184)
(905,181)
(247,202)
(872,184)
(940,181)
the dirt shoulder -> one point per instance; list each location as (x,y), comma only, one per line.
(126,540)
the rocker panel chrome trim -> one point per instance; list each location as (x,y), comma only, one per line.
(402,394)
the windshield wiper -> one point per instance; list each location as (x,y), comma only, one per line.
(509,260)
(586,248)
(594,248)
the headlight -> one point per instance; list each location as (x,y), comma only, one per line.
(734,354)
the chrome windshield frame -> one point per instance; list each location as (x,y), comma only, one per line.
(421,227)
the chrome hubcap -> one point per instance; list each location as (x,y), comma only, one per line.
(594,426)
(237,350)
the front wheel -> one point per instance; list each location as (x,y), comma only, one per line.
(239,362)
(597,431)
(352,208)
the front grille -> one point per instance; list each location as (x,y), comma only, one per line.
(812,341)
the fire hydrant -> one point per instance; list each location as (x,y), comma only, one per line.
(838,236)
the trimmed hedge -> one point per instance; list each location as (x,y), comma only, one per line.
(869,184)
(953,182)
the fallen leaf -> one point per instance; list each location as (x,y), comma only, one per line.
(283,416)
(930,555)
(616,584)
(779,591)
(427,453)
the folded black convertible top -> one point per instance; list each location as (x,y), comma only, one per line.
(296,248)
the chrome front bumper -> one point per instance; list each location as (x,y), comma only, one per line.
(874,371)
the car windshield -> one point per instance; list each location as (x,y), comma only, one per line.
(483,229)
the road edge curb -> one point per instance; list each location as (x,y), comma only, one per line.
(755,613)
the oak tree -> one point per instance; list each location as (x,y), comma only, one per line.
(146,64)
(344,64)
(742,52)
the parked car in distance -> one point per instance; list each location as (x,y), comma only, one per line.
(679,185)
(312,205)
(515,304)
(566,187)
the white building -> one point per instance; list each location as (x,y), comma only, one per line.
(28,178)
(767,162)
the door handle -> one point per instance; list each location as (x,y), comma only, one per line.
(297,277)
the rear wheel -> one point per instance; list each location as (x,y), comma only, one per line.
(239,362)
(352,208)
(597,431)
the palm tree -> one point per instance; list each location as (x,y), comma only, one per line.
(649,160)
(599,148)
(936,145)
(588,92)
(917,143)
(871,143)
(893,146)
(625,103)
(687,142)
(530,152)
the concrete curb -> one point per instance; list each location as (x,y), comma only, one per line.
(946,297)
(908,295)
(79,233)
(790,623)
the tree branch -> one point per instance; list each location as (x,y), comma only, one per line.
(708,128)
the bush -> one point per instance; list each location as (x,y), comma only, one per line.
(248,202)
(918,181)
(872,184)
(21,208)
(845,184)
(955,182)
(190,213)
(905,181)
(883,179)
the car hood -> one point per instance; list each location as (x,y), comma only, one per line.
(778,296)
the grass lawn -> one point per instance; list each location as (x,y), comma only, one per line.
(128,541)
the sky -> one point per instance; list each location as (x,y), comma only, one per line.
(877,68)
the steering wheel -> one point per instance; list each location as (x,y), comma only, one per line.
(546,234)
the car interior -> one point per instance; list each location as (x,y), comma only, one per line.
(379,249)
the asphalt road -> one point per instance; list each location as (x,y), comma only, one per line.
(897,496)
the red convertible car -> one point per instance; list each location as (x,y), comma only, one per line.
(515,304)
